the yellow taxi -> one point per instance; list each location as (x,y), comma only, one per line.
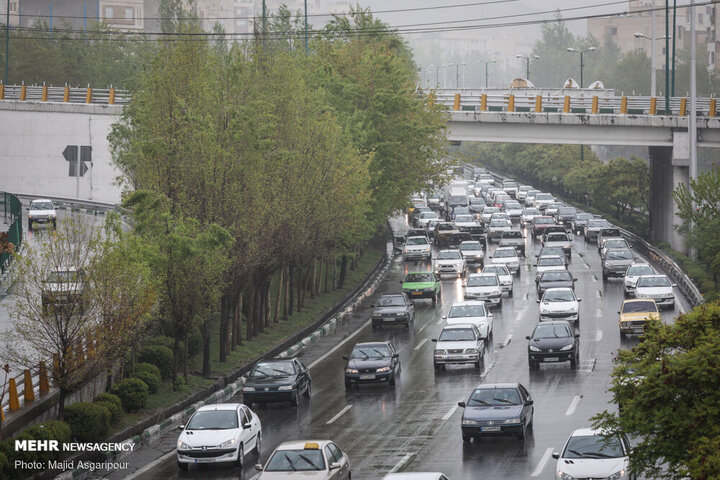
(306,459)
(635,313)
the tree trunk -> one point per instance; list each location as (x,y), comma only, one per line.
(224,326)
(186,359)
(299,286)
(207,337)
(256,312)
(62,396)
(343,271)
(250,314)
(291,288)
(314,279)
(327,274)
(176,357)
(237,338)
(266,293)
(278,295)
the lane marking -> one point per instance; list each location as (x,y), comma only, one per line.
(525,297)
(587,266)
(598,313)
(486,371)
(402,462)
(598,335)
(573,405)
(420,344)
(339,345)
(598,294)
(508,339)
(339,414)
(151,465)
(594,277)
(591,366)
(449,413)
(541,464)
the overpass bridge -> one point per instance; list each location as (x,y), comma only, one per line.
(573,116)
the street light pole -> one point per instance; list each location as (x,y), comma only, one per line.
(582,63)
(667,56)
(486,69)
(527,64)
(7,41)
(653,80)
(307,45)
(464,72)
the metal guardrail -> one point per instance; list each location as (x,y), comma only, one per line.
(66,94)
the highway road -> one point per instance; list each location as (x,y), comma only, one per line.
(416,425)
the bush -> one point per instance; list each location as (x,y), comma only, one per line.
(160,356)
(161,340)
(52,430)
(112,403)
(89,422)
(194,342)
(151,379)
(133,393)
(147,367)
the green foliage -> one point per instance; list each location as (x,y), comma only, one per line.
(52,430)
(112,403)
(160,356)
(162,340)
(669,389)
(151,379)
(697,272)
(132,392)
(89,422)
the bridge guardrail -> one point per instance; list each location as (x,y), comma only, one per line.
(66,94)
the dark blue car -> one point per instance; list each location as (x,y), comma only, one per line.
(497,409)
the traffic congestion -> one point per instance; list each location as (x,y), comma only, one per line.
(485,352)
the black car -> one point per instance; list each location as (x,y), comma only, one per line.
(392,309)
(497,409)
(553,341)
(372,362)
(455,239)
(566,216)
(279,380)
(552,229)
(554,279)
(581,220)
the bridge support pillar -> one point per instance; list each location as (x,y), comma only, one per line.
(669,167)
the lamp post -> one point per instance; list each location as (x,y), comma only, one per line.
(572,50)
(437,73)
(457,73)
(653,80)
(527,63)
(464,72)
(486,69)
(445,75)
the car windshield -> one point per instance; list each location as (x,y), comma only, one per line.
(491,397)
(653,282)
(41,206)
(559,296)
(640,270)
(505,253)
(543,196)
(470,246)
(496,269)
(584,216)
(593,446)
(370,351)
(498,223)
(611,232)
(295,461)
(458,200)
(391,301)
(596,223)
(474,200)
(428,215)
(273,369)
(566,211)
(467,311)
(554,251)
(543,220)
(213,420)
(551,331)
(512,234)
(417,241)
(457,335)
(419,277)
(449,255)
(490,210)
(513,205)
(482,281)
(531,211)
(557,237)
(65,276)
(620,255)
(445,226)
(552,276)
(464,218)
(551,262)
(618,243)
(639,307)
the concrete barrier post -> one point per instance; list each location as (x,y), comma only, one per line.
(623,105)
(511,103)
(456,102)
(2,91)
(14,400)
(683,107)
(595,102)
(566,104)
(29,392)
(23,92)
(711,113)
(538,104)
(44,93)
(44,383)
(483,102)
(653,106)
(431,100)
(111,98)
(88,95)
(66,94)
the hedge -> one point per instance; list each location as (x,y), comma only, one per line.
(52,430)
(89,422)
(112,403)
(133,393)
(151,379)
(160,356)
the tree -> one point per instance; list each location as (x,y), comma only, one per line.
(631,75)
(556,64)
(669,390)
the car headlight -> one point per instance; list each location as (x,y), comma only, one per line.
(471,350)
(565,476)
(351,370)
(567,347)
(285,387)
(406,251)
(513,420)
(617,475)
(183,446)
(248,389)
(440,352)
(30,216)
(383,369)
(533,348)
(376,315)
(227,444)
(466,421)
(53,214)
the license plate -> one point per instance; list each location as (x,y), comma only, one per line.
(638,330)
(455,357)
(204,460)
(389,319)
(417,293)
(367,377)
(490,429)
(552,359)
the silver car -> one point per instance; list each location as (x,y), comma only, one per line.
(507,256)
(632,274)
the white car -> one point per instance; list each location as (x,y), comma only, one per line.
(224,432)
(497,226)
(417,248)
(415,476)
(462,221)
(560,304)
(474,312)
(530,198)
(425,217)
(506,278)
(306,460)
(41,211)
(528,214)
(542,200)
(449,261)
(522,192)
(657,287)
(633,272)
(590,454)
(609,243)
(549,262)
(473,252)
(488,212)
(484,286)
(461,343)
(513,209)
(507,256)
(486,178)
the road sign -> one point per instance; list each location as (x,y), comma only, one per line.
(77,168)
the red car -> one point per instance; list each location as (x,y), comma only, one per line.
(539,224)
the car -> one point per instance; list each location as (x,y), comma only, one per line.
(500,199)
(504,275)
(417,213)
(552,229)
(372,362)
(542,200)
(477,205)
(592,228)
(415,232)
(507,256)
(552,342)
(606,233)
(489,212)
(415,203)
(657,287)
(530,198)
(459,343)
(610,243)
(494,409)
(277,380)
(430,227)
(554,279)
(487,178)
(578,224)
(552,209)
(565,217)
(425,217)
(449,261)
(528,214)
(635,313)
(442,233)
(219,433)
(474,312)
(557,239)
(539,224)
(500,216)
(392,309)
(552,252)
(455,239)
(633,272)
(415,476)
(473,252)
(421,285)
(307,460)
(510,187)
(464,220)
(484,286)
(513,238)
(589,453)
(417,248)
(513,209)
(41,211)
(496,227)
(64,289)
(549,262)
(522,192)
(559,304)
(461,210)
(616,262)
(434,199)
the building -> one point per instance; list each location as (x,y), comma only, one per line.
(11,16)
(79,14)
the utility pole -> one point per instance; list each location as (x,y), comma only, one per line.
(264,22)
(486,69)
(307,45)
(672,88)
(653,80)
(7,41)
(667,57)
(693,94)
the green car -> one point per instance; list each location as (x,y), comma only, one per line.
(421,285)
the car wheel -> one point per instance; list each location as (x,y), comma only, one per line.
(391,382)
(348,385)
(533,364)
(248,403)
(477,365)
(407,325)
(466,438)
(500,305)
(183,466)
(574,362)
(241,457)
(510,293)
(625,294)
(439,367)
(604,275)
(521,435)
(294,399)
(258,445)
(434,298)
(30,225)
(306,394)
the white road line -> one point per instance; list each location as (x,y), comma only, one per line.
(598,294)
(339,414)
(541,464)
(598,335)
(486,371)
(594,277)
(573,405)
(591,366)
(525,297)
(587,266)
(598,313)
(336,347)
(508,339)
(402,462)
(150,465)
(419,345)
(449,413)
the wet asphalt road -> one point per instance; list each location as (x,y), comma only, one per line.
(416,425)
